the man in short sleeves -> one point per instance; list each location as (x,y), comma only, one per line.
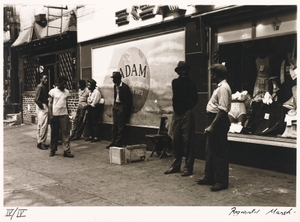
(218,124)
(59,117)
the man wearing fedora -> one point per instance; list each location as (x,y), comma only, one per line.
(93,109)
(184,99)
(218,124)
(121,109)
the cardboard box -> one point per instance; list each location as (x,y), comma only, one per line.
(136,152)
(117,155)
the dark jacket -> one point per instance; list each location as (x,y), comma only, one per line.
(184,95)
(125,95)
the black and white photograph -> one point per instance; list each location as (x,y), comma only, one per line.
(162,111)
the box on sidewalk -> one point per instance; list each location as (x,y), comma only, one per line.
(117,155)
(136,152)
(123,155)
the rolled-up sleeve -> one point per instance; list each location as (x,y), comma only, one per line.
(224,100)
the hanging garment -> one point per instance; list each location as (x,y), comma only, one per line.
(266,119)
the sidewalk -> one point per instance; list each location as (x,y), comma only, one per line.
(32,178)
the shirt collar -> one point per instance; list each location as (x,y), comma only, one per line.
(220,83)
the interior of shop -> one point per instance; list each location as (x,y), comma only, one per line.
(264,85)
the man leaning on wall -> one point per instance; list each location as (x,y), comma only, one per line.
(41,100)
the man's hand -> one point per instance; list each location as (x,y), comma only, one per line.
(208,130)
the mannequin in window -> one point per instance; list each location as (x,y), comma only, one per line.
(266,80)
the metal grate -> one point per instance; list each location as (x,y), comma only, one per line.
(30,66)
(66,68)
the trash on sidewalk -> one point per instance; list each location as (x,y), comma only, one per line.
(124,155)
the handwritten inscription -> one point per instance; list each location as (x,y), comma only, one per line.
(17,213)
(275,211)
(278,212)
(236,212)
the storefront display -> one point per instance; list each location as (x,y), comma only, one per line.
(267,69)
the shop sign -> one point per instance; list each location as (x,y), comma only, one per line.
(279,25)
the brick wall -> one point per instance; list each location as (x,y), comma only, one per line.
(29,106)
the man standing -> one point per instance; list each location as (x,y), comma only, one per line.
(218,124)
(41,100)
(121,109)
(80,119)
(59,117)
(184,99)
(94,109)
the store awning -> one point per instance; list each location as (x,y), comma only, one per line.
(53,28)
(25,36)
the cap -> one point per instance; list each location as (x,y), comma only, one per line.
(182,66)
(92,81)
(218,68)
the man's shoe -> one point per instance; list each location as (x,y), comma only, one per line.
(41,146)
(46,145)
(95,140)
(218,187)
(74,138)
(67,154)
(186,173)
(89,139)
(172,170)
(204,182)
(51,154)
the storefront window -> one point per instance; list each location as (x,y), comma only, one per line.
(264,84)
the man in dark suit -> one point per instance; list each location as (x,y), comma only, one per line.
(121,109)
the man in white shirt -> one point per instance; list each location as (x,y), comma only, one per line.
(59,117)
(218,124)
(94,109)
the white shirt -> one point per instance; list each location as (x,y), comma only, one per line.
(94,98)
(59,107)
(220,99)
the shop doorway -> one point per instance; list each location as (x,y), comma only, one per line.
(50,70)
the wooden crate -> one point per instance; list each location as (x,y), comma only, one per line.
(136,152)
(117,155)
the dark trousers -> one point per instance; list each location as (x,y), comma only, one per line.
(79,122)
(183,138)
(60,123)
(120,114)
(216,152)
(92,118)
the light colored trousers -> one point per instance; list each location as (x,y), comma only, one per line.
(42,126)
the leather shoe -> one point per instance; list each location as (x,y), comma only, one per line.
(218,187)
(186,173)
(204,182)
(74,138)
(89,139)
(172,170)
(41,146)
(68,154)
(51,154)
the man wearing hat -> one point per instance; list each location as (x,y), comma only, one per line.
(121,109)
(218,124)
(94,109)
(184,99)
